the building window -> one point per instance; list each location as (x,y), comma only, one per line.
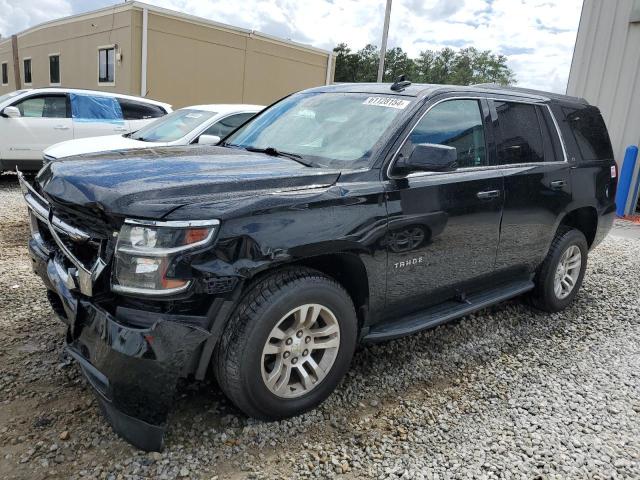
(5,74)
(27,71)
(106,65)
(54,69)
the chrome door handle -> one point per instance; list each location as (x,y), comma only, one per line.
(558,184)
(61,127)
(488,195)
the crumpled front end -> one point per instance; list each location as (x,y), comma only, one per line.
(132,358)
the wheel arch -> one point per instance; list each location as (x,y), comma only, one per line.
(584,219)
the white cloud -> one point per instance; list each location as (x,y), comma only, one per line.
(536,35)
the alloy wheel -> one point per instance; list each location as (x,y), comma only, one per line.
(567,272)
(300,350)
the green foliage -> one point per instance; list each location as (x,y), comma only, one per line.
(466,66)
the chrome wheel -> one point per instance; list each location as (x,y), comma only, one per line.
(567,272)
(300,350)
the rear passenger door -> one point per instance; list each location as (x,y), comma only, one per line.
(95,115)
(537,182)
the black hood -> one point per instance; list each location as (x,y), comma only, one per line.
(151,183)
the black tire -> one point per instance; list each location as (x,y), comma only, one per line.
(238,356)
(544,296)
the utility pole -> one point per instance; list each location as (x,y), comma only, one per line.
(383,47)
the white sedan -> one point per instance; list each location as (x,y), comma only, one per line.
(32,120)
(202,124)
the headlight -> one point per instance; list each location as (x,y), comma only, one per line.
(145,251)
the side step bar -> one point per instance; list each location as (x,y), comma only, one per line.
(446,311)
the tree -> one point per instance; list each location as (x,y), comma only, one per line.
(466,66)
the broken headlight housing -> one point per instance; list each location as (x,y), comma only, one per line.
(145,251)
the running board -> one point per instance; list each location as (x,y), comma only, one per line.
(443,312)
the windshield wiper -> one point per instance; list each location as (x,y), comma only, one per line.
(277,153)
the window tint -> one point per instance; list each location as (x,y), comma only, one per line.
(521,138)
(133,110)
(27,70)
(44,106)
(106,57)
(54,69)
(226,125)
(5,73)
(590,133)
(455,123)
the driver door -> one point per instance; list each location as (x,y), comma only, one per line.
(45,120)
(444,227)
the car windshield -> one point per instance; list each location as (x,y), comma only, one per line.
(7,96)
(173,126)
(325,129)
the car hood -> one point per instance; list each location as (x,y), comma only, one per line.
(151,183)
(106,143)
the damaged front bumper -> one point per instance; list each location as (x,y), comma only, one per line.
(131,358)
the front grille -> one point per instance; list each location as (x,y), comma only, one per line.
(79,241)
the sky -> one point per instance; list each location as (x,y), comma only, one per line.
(537,36)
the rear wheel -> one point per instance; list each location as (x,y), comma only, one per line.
(560,276)
(288,344)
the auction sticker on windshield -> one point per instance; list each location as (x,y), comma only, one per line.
(387,102)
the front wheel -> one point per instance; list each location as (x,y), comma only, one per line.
(288,344)
(560,276)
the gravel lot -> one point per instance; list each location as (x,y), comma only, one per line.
(505,393)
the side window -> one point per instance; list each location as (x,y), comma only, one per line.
(54,69)
(43,106)
(590,133)
(520,135)
(89,108)
(455,123)
(226,125)
(133,110)
(106,65)
(27,70)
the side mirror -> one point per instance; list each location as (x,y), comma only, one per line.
(209,140)
(429,157)
(11,112)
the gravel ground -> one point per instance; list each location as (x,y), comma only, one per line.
(504,393)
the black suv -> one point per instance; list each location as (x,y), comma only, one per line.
(341,214)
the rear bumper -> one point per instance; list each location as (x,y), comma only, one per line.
(133,371)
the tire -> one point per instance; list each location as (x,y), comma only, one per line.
(545,294)
(241,365)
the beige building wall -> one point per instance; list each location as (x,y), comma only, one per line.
(189,60)
(77,42)
(190,64)
(6,56)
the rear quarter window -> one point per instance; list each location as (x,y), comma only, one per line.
(590,132)
(132,110)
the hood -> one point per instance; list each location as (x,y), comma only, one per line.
(151,183)
(105,143)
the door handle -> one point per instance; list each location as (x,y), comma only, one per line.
(488,195)
(558,184)
(61,127)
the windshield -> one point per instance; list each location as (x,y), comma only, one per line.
(325,129)
(173,126)
(7,96)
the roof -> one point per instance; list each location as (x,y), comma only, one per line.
(94,92)
(424,90)
(225,108)
(129,5)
